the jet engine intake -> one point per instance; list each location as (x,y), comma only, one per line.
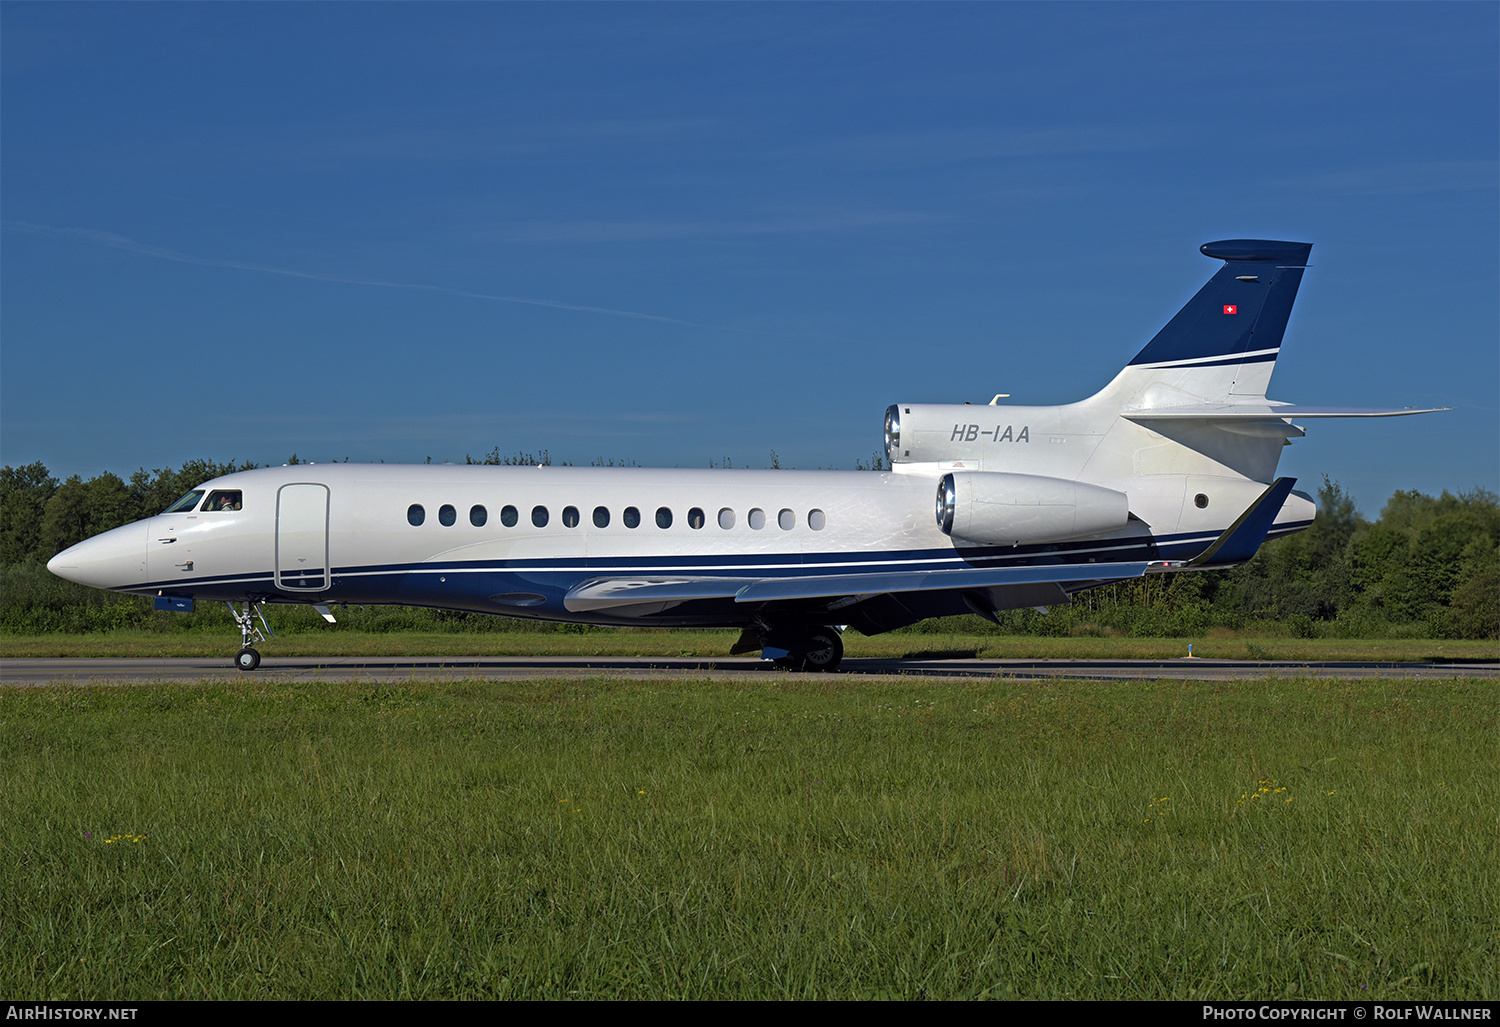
(992,508)
(892,435)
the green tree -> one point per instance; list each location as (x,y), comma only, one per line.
(24,492)
(1327,543)
(80,509)
(1474,609)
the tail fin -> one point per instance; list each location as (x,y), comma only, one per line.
(1222,346)
(1201,382)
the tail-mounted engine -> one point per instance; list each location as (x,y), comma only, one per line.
(935,432)
(997,509)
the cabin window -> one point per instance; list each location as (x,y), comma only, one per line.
(601,517)
(1200,501)
(447,516)
(223,499)
(415,515)
(509,516)
(570,517)
(663,517)
(726,518)
(757,518)
(695,518)
(632,517)
(539,516)
(787,520)
(816,519)
(478,515)
(186,503)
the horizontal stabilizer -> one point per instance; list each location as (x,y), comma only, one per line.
(1264,411)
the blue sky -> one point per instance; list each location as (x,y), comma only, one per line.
(676,234)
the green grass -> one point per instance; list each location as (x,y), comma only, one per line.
(776,839)
(336,641)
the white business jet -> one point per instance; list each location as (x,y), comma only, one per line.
(1171,467)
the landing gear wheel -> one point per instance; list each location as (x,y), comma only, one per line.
(824,651)
(248,658)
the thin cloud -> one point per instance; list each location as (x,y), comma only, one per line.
(443,425)
(121,242)
(482,137)
(779,223)
(944,146)
(1415,177)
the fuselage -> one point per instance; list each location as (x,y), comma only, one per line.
(517,540)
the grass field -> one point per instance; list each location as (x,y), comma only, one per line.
(777,839)
(636,642)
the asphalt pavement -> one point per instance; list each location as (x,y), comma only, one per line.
(98,671)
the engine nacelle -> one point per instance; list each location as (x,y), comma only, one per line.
(992,508)
(932,433)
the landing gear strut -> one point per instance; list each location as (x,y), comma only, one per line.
(248,658)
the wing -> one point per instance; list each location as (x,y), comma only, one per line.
(872,602)
(982,590)
(644,596)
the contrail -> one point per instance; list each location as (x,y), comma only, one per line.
(121,242)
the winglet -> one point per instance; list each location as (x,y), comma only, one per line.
(1242,538)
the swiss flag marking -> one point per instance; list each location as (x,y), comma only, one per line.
(1230,308)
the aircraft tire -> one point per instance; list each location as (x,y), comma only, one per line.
(248,659)
(825,651)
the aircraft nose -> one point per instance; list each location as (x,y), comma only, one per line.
(114,559)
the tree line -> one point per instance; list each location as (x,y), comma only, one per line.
(1427,567)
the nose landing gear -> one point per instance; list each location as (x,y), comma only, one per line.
(248,658)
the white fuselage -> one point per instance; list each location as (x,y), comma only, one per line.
(343,533)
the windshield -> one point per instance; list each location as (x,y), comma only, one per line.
(187,502)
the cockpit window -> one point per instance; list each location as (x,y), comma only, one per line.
(224,499)
(186,503)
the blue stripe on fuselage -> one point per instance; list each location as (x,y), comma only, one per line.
(357,583)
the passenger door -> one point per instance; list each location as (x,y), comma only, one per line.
(302,538)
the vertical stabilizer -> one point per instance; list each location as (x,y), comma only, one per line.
(1215,355)
(1222,346)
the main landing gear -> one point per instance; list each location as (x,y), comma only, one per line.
(797,647)
(825,650)
(248,658)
